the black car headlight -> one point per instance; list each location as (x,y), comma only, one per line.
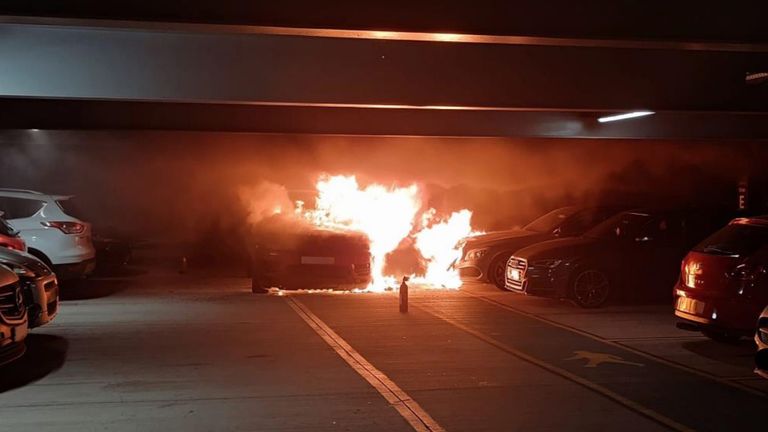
(475,254)
(546,263)
(20,270)
(763,334)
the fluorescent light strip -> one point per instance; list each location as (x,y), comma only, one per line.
(625,116)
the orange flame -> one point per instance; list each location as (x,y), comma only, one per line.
(387,216)
(438,244)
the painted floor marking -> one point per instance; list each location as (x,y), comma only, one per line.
(620,345)
(628,403)
(595,359)
(408,408)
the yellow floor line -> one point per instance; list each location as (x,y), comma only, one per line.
(411,411)
(620,345)
(634,406)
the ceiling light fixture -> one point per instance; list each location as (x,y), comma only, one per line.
(625,116)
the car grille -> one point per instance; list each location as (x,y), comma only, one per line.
(517,264)
(27,286)
(12,301)
(363,269)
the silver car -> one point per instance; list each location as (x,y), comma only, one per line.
(39,285)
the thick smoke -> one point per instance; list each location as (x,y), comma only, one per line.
(178,185)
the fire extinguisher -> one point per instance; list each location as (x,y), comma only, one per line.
(404,295)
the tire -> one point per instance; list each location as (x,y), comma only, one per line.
(41,256)
(258,287)
(497,271)
(590,288)
(722,336)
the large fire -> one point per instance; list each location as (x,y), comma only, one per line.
(387,215)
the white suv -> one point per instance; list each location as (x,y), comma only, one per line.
(52,233)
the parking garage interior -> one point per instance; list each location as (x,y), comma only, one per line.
(192,140)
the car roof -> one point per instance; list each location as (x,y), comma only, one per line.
(32,194)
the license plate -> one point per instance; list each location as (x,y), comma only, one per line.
(318,260)
(691,306)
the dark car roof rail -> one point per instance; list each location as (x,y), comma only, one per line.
(21,190)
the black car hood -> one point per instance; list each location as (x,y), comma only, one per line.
(516,238)
(23,259)
(560,248)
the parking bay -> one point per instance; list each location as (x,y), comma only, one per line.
(165,351)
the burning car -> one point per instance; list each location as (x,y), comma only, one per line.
(341,233)
(310,259)
(723,284)
(635,254)
(484,257)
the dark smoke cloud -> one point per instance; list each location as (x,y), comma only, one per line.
(178,184)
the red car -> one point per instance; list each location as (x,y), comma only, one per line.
(10,238)
(723,284)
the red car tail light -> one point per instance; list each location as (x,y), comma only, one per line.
(690,271)
(66,227)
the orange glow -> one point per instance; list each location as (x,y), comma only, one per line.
(447,37)
(387,215)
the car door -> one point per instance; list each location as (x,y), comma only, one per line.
(658,249)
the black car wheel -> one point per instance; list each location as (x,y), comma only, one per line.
(591,288)
(497,271)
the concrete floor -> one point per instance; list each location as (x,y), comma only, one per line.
(158,351)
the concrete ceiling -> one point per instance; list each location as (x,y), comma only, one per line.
(96,74)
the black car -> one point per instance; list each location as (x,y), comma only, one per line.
(484,257)
(634,255)
(310,259)
(13,316)
(38,283)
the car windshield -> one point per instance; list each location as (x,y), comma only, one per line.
(624,225)
(735,239)
(551,220)
(6,229)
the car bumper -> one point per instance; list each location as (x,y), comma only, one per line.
(75,270)
(312,276)
(11,351)
(471,271)
(715,310)
(12,337)
(552,283)
(42,300)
